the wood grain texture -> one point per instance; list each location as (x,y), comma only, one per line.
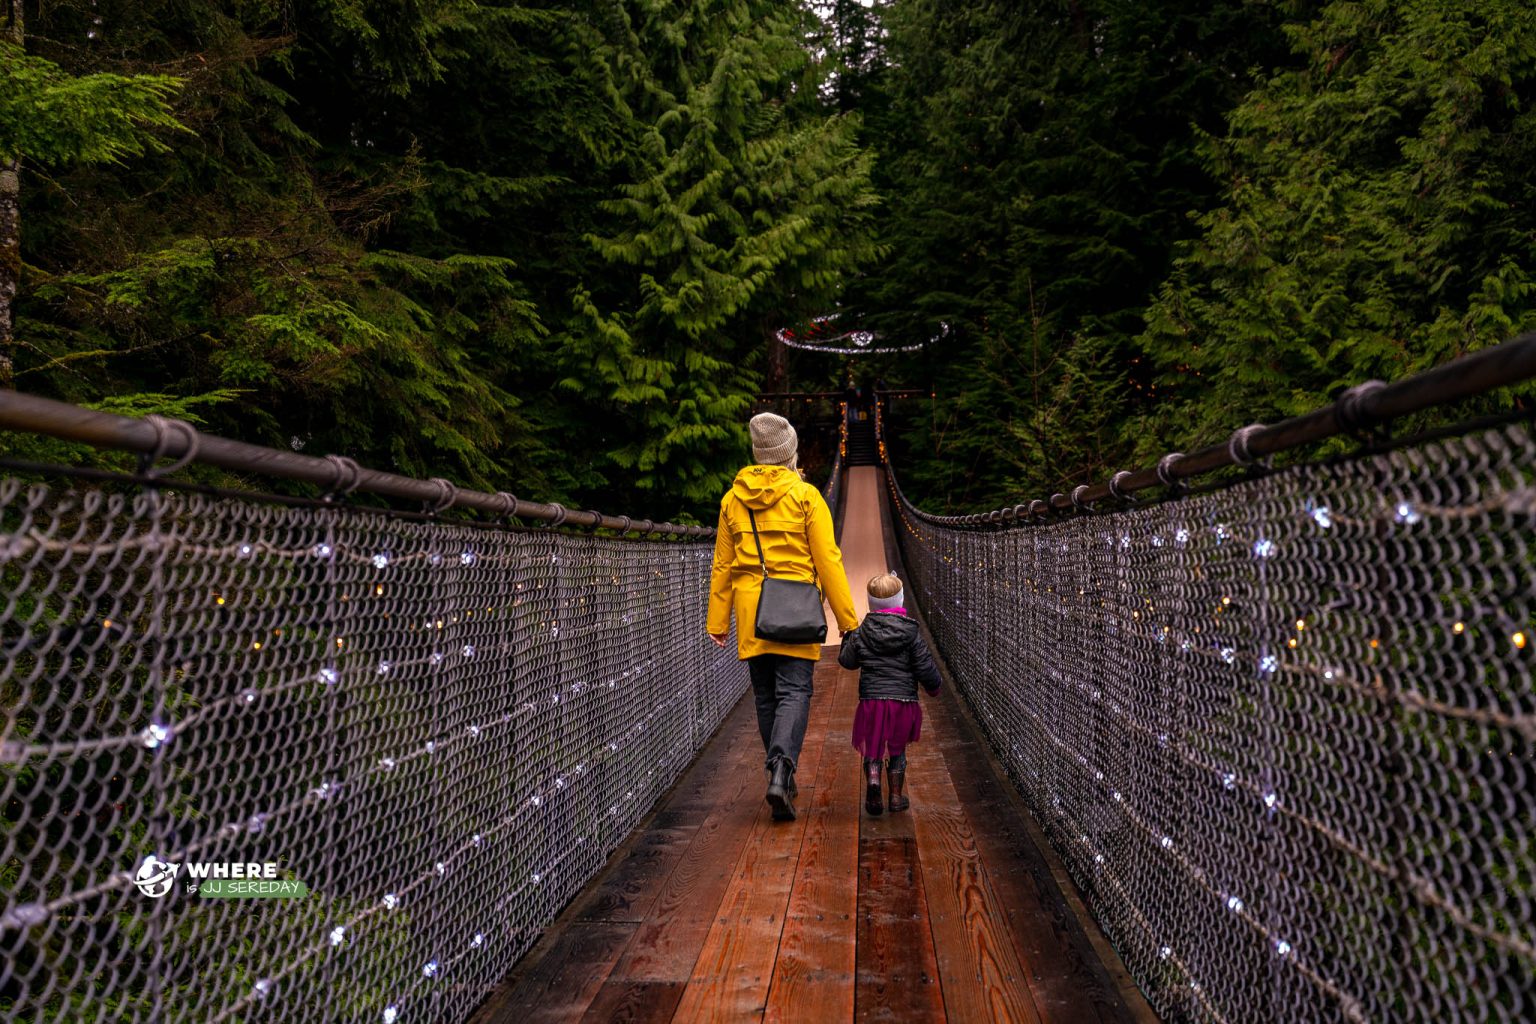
(1067,978)
(630,892)
(564,981)
(979,967)
(731,977)
(898,973)
(638,869)
(813,975)
(641,1002)
(668,941)
(633,885)
(697,794)
(953,910)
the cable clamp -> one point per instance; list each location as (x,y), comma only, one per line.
(348,475)
(1165,469)
(1348,411)
(164,427)
(447,494)
(1238,444)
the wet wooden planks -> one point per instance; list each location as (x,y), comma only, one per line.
(735,964)
(898,974)
(1068,979)
(711,911)
(813,971)
(715,912)
(982,976)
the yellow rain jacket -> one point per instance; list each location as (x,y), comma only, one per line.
(796,528)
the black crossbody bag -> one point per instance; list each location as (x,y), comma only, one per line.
(788,611)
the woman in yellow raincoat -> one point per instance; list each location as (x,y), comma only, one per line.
(798,543)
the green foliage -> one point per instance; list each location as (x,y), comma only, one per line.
(1188,219)
(1040,162)
(453,238)
(1376,217)
(742,205)
(475,239)
(53,117)
(1027,421)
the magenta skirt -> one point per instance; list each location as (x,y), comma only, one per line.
(883,728)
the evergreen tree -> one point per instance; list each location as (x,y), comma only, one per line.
(747,207)
(853,41)
(57,119)
(1040,162)
(1377,216)
(450,237)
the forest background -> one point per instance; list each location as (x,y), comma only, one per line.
(545,247)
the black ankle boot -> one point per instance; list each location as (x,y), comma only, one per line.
(794,790)
(872,802)
(781,790)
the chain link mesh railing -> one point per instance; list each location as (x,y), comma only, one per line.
(1282,733)
(440,728)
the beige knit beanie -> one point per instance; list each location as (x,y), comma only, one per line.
(773,440)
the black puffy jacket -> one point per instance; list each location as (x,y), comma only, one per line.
(893,656)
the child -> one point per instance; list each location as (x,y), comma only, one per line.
(889,649)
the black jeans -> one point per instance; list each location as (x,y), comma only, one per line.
(781,688)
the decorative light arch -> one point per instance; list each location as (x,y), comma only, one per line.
(822,336)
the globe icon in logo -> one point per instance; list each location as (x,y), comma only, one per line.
(155,877)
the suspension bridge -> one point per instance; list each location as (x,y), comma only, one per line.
(1252,750)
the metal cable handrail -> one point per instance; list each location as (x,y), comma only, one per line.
(160,437)
(426,732)
(1362,407)
(1282,732)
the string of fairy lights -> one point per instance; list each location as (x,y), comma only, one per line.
(457,724)
(1192,693)
(821,334)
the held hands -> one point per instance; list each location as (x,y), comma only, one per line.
(721,638)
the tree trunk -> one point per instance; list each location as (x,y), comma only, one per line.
(778,362)
(10,265)
(11,34)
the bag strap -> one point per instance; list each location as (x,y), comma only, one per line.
(758,537)
(815,578)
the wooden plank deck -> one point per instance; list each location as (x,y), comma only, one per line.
(711,911)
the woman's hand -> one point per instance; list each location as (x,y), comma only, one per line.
(719,638)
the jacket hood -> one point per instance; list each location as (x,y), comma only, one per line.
(886,634)
(760,487)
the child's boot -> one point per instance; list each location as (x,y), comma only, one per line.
(896,776)
(872,802)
